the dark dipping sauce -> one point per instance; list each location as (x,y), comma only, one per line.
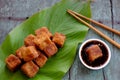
(98,61)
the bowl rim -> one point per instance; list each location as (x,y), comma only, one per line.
(98,67)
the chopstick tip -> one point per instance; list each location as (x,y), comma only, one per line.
(68,10)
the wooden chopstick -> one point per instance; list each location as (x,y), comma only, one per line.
(96,30)
(95,22)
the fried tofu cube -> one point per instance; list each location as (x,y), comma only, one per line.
(12,62)
(41,59)
(94,52)
(42,40)
(50,49)
(19,51)
(29,53)
(45,44)
(43,30)
(29,40)
(59,39)
(30,69)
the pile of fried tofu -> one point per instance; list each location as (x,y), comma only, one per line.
(36,51)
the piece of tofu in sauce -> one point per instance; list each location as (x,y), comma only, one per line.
(94,52)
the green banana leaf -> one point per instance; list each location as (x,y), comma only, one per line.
(57,20)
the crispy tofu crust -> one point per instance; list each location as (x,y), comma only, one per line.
(45,44)
(12,62)
(42,41)
(30,69)
(50,49)
(43,30)
(29,40)
(20,51)
(94,52)
(41,59)
(30,53)
(59,39)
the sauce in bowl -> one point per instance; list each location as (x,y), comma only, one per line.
(99,62)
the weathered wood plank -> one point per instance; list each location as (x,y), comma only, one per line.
(113,73)
(23,8)
(66,76)
(5,27)
(101,11)
(14,12)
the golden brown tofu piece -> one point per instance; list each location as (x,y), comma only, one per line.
(30,69)
(12,62)
(42,41)
(29,40)
(59,39)
(41,59)
(94,52)
(19,51)
(43,30)
(50,49)
(29,53)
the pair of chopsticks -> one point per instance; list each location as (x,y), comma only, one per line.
(81,17)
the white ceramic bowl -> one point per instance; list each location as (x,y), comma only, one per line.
(98,67)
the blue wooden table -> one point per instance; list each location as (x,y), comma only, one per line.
(13,12)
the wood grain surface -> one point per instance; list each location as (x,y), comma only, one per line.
(13,12)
